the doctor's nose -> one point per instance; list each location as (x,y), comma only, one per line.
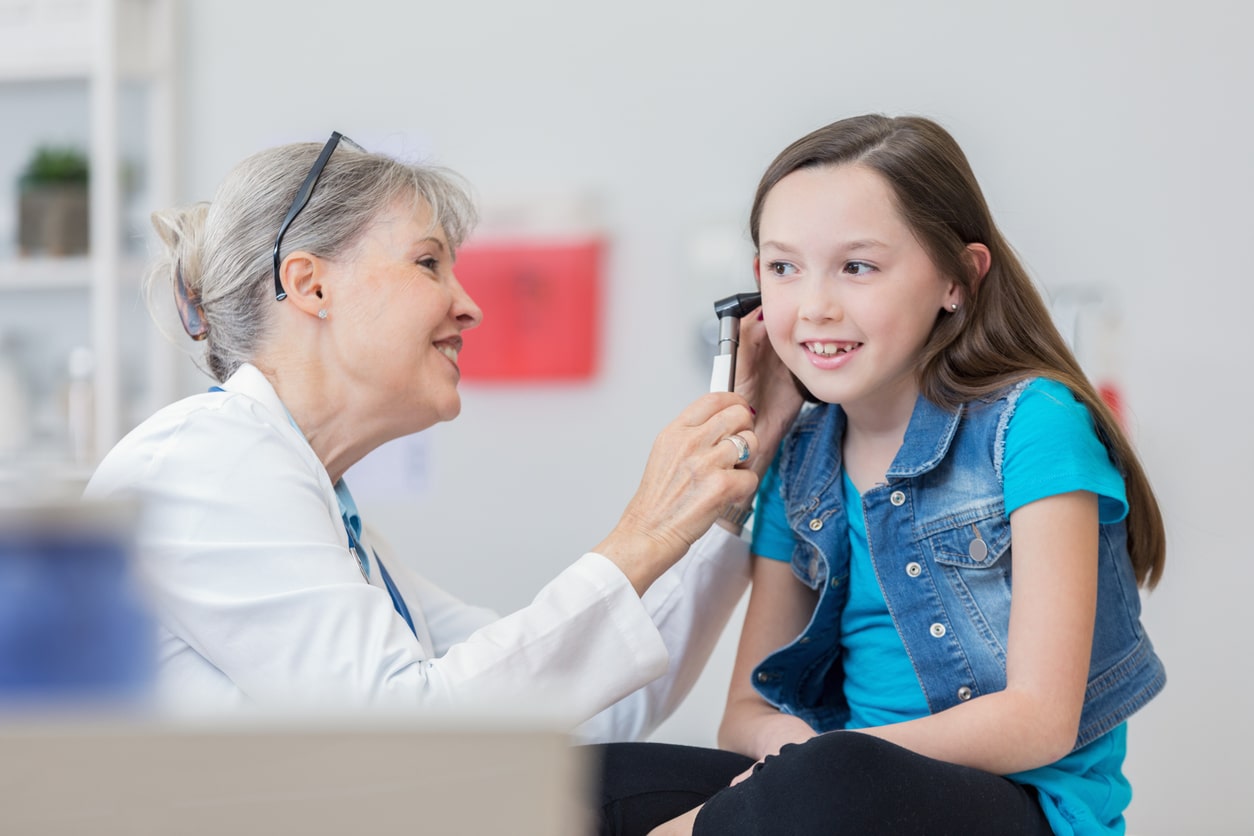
(467,313)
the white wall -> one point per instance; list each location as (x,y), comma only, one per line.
(1113,140)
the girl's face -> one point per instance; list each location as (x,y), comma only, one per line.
(849,296)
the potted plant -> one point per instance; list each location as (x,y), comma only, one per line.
(52,203)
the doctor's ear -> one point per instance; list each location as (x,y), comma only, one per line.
(302,277)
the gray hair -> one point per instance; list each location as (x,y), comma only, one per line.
(225,248)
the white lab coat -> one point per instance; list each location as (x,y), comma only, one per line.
(261,604)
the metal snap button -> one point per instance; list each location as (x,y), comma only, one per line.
(816,524)
(897,498)
(964,693)
(978,549)
(803,640)
(763,676)
(835,582)
(938,630)
(913,569)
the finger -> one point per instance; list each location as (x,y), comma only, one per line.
(742,776)
(733,419)
(742,445)
(708,405)
(752,327)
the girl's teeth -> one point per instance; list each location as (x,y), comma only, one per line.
(829,349)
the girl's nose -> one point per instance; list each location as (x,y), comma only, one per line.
(819,302)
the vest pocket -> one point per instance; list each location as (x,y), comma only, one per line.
(974,538)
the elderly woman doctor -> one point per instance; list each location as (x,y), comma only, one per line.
(322,284)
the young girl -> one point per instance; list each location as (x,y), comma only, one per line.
(943,632)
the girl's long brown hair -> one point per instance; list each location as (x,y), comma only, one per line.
(1003,332)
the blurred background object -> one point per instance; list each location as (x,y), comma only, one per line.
(52,215)
(75,634)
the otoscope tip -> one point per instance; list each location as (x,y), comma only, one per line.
(737,305)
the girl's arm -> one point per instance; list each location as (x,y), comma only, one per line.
(1035,720)
(779,609)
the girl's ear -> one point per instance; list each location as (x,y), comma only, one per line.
(757,271)
(979,260)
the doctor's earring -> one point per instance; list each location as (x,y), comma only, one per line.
(322,313)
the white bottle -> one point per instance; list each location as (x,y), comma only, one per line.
(80,406)
(14,406)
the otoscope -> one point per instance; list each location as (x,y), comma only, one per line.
(729,311)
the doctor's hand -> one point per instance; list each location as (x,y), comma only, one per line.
(767,384)
(698,466)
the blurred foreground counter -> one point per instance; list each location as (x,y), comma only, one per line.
(82,777)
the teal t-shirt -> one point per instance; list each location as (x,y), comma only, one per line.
(1051,448)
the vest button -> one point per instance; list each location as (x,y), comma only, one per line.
(938,629)
(803,640)
(816,524)
(964,693)
(763,676)
(913,569)
(978,549)
(897,498)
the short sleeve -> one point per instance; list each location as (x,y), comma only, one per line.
(1052,447)
(771,535)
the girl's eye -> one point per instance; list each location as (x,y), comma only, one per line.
(781,268)
(858,268)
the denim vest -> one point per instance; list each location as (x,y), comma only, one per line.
(940,546)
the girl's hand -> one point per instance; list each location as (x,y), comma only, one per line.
(694,472)
(774,734)
(767,385)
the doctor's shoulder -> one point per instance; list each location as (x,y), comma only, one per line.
(212,438)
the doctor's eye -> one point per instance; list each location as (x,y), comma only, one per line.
(432,264)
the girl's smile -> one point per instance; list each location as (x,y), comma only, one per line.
(830,355)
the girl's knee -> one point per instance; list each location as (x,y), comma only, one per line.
(852,776)
(840,752)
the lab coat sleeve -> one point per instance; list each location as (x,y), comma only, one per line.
(690,604)
(254,586)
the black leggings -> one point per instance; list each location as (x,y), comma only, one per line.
(838,783)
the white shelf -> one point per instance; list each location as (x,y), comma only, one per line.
(102,43)
(70,273)
(42,40)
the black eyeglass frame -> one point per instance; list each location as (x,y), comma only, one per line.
(301,199)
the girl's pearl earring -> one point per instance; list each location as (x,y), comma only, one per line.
(953,306)
(322,314)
